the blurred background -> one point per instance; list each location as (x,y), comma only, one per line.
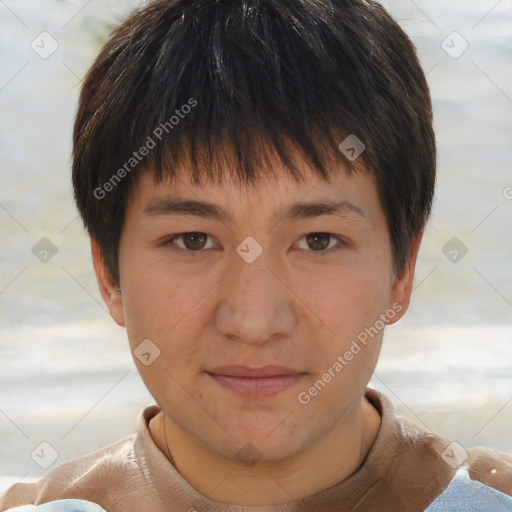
(66,376)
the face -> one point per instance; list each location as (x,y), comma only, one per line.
(297,293)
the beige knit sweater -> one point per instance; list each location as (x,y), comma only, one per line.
(403,471)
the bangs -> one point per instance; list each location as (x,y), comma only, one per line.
(230,80)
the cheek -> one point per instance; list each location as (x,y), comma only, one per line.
(344,356)
(154,293)
(166,306)
(350,297)
(347,308)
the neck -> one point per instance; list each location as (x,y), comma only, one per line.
(325,463)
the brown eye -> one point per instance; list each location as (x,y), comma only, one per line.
(194,241)
(318,241)
(191,242)
(322,244)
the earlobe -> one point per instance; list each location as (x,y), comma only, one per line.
(110,291)
(402,286)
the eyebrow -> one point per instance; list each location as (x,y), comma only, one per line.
(205,209)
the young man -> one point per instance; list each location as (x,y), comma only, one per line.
(255,176)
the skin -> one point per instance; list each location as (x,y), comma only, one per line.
(291,306)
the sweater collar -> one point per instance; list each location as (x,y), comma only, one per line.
(403,469)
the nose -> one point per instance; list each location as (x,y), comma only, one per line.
(256,305)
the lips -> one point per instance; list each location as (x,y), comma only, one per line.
(263,381)
(245,371)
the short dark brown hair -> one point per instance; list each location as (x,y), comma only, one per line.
(185,79)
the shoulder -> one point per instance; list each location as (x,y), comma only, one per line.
(478,478)
(81,478)
(491,468)
(464,493)
(483,464)
(481,476)
(70,505)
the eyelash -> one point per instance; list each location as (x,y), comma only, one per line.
(173,247)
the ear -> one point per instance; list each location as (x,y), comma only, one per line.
(109,291)
(402,287)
